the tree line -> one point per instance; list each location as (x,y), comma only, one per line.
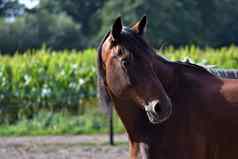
(79,24)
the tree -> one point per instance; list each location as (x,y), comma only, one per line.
(86,13)
(10,8)
(226,27)
(80,24)
(32,31)
(176,22)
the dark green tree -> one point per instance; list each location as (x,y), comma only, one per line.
(179,22)
(226,25)
(175,22)
(32,31)
(86,13)
(10,8)
(80,24)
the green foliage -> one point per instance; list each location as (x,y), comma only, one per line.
(81,24)
(62,87)
(46,80)
(9,8)
(179,23)
(175,22)
(57,31)
(226,57)
(82,12)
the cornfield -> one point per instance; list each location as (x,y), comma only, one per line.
(48,80)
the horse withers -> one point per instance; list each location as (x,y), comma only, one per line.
(173,110)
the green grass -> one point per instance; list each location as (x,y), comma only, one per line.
(45,123)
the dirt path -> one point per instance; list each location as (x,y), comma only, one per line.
(63,147)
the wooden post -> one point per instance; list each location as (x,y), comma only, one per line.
(111,133)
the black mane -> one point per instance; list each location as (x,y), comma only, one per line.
(194,67)
(134,42)
(224,73)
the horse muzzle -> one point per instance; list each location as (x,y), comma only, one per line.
(157,112)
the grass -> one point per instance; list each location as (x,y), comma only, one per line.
(46,123)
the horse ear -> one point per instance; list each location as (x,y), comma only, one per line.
(116,29)
(140,26)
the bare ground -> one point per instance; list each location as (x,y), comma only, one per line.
(63,147)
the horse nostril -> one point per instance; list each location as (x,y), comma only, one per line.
(158,112)
(157,108)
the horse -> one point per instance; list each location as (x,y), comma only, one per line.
(170,109)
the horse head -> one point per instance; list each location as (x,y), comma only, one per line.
(127,71)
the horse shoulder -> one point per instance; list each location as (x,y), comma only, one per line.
(221,102)
(230,91)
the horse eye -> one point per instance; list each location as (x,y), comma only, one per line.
(124,62)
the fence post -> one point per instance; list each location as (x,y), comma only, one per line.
(111,133)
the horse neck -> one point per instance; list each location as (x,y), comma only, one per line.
(166,73)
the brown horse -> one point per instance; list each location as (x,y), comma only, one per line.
(173,110)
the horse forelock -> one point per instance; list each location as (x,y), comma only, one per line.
(105,100)
(134,42)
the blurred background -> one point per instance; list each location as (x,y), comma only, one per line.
(48,55)
(78,24)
